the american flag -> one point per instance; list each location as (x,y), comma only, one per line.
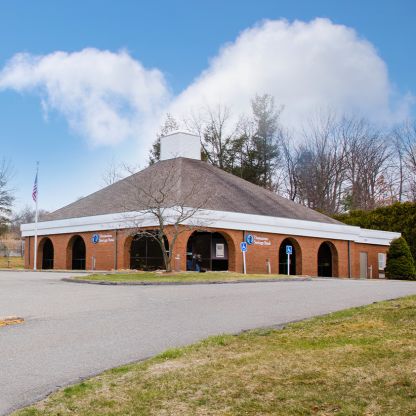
(35,188)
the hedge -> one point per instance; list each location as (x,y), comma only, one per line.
(399,217)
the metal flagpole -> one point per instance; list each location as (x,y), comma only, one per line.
(35,195)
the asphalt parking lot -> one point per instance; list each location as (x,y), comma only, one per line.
(73,331)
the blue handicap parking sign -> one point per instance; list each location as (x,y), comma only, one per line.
(243,246)
(289,249)
(249,239)
(95,238)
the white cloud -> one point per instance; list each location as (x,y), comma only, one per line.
(305,66)
(104,96)
(107,97)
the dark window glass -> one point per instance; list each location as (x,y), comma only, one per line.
(325,260)
(78,254)
(47,255)
(146,253)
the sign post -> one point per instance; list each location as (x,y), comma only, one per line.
(243,247)
(288,252)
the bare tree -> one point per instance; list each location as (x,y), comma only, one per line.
(6,193)
(367,157)
(215,127)
(170,205)
(397,171)
(341,163)
(289,168)
(25,216)
(405,137)
(113,173)
(315,168)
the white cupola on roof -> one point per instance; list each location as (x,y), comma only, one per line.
(180,144)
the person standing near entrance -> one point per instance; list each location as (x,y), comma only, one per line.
(194,262)
(198,263)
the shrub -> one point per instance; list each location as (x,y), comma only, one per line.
(400,263)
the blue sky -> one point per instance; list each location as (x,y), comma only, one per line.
(179,39)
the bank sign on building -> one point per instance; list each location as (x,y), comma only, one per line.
(100,231)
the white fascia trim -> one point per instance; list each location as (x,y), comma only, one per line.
(85,224)
(217,219)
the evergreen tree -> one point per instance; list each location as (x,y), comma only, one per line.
(265,139)
(400,264)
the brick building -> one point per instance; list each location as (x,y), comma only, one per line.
(102,230)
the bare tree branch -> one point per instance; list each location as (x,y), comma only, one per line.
(163,200)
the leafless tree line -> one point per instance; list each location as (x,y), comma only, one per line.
(403,141)
(333,164)
(346,163)
(337,165)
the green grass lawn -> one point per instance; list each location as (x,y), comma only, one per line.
(361,361)
(177,277)
(12,262)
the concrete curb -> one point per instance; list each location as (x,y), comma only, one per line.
(207,282)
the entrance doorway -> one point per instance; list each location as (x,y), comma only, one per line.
(146,253)
(325,260)
(78,253)
(208,251)
(47,254)
(295,257)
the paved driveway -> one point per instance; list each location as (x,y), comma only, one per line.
(74,331)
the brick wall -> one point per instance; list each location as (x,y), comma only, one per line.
(112,252)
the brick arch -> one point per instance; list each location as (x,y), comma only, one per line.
(128,238)
(232,251)
(126,250)
(231,245)
(127,246)
(69,251)
(41,264)
(334,257)
(298,252)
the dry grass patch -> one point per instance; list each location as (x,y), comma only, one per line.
(12,262)
(361,361)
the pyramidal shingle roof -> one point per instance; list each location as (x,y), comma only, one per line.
(227,193)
